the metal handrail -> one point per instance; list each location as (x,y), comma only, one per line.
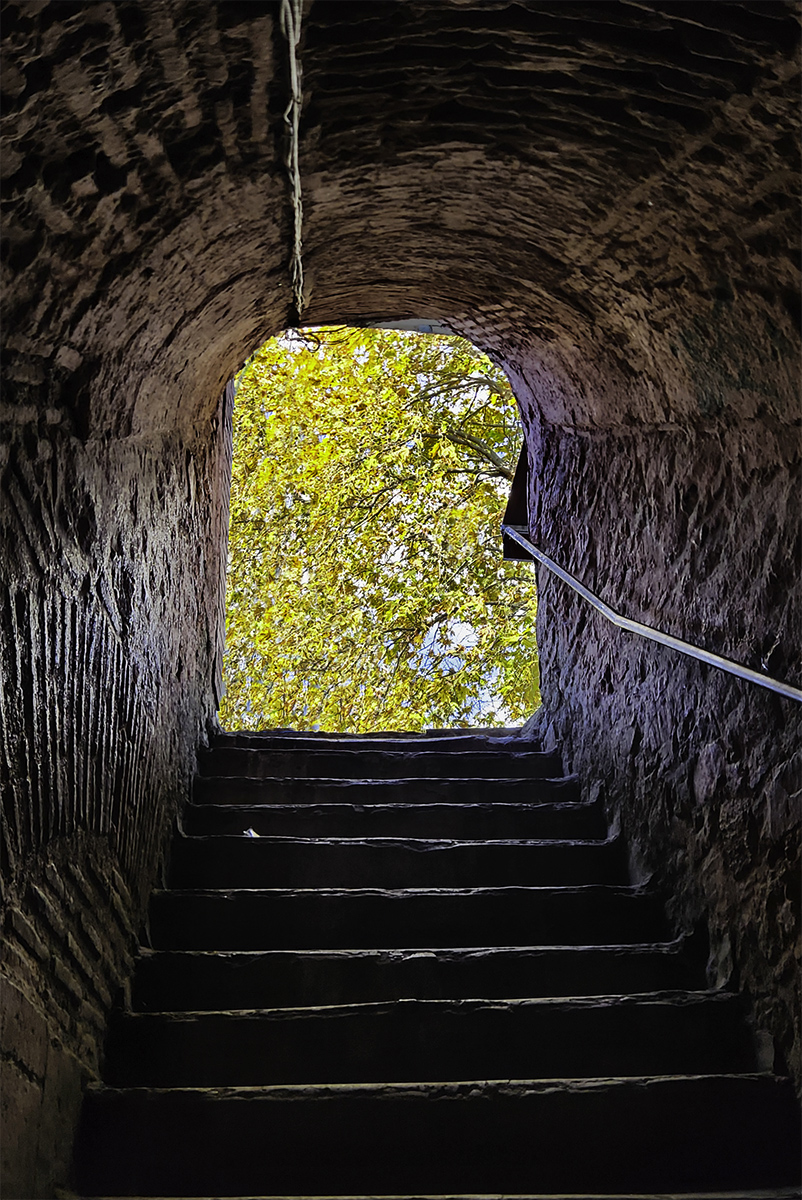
(646,631)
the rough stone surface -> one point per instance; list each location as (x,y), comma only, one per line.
(698,534)
(602,195)
(111,656)
(39,1081)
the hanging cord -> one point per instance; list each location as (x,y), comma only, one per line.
(646,631)
(290,20)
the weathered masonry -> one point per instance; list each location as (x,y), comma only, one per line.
(604,196)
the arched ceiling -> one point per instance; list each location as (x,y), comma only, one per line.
(603,194)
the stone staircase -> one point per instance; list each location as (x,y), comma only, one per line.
(416,967)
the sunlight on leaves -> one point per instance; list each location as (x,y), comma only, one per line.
(366,588)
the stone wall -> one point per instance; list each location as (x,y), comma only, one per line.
(602,195)
(696,533)
(111,659)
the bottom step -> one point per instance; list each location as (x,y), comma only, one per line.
(762,1194)
(518,1138)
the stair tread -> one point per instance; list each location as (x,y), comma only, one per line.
(629,891)
(376,762)
(401,954)
(653,1133)
(458,1088)
(457,807)
(210,979)
(447,957)
(375,917)
(227,860)
(455,743)
(417,810)
(673,998)
(509,783)
(422,790)
(365,782)
(375,751)
(761,1194)
(442,1039)
(465,821)
(396,843)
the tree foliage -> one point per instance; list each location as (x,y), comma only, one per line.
(366,588)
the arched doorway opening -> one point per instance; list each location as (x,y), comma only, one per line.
(366,586)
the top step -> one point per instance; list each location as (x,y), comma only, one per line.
(257,762)
(465,739)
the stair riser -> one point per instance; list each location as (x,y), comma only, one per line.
(412,1041)
(489,822)
(660,1135)
(454,743)
(202,1118)
(182,982)
(225,789)
(375,920)
(349,764)
(259,863)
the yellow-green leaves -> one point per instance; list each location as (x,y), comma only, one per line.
(366,588)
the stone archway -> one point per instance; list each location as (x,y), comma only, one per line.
(601,196)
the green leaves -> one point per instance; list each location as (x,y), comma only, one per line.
(366,588)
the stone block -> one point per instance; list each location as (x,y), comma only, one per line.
(20,1109)
(24,1031)
(58,1121)
(40,1100)
(27,934)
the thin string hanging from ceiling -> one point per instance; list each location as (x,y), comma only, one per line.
(290,20)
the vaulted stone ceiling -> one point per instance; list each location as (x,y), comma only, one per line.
(601,193)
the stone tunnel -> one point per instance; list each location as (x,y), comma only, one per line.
(605,198)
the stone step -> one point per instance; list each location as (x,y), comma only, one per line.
(791,1193)
(657,1134)
(248,862)
(228,789)
(376,918)
(478,820)
(670,1033)
(209,980)
(503,763)
(454,743)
